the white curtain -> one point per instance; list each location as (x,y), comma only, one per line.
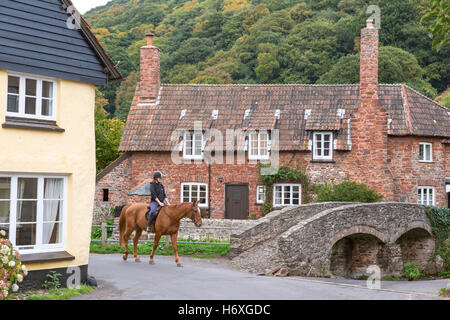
(52,196)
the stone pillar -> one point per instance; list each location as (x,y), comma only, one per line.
(394,258)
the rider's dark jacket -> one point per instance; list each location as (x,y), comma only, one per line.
(157,191)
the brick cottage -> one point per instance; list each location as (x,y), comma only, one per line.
(390,137)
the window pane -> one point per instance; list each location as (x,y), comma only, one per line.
(419,196)
(198,144)
(30,87)
(52,210)
(47,89)
(4,211)
(53,188)
(421,152)
(188,147)
(26,211)
(428,152)
(47,107)
(27,188)
(13,103)
(25,234)
(51,233)
(5,227)
(30,105)
(13,84)
(194,193)
(5,188)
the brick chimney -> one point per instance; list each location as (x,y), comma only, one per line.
(369,62)
(150,71)
(369,132)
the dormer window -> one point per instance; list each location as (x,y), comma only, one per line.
(31,97)
(193,145)
(259,145)
(323,146)
(425,152)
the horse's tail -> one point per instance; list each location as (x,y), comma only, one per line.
(123,224)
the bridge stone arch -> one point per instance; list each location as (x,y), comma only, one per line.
(307,248)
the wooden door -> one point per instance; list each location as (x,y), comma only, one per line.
(236,201)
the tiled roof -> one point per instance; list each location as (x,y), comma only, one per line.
(295,110)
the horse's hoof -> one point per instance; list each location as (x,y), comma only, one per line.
(124,258)
(152,262)
(137,260)
(179,265)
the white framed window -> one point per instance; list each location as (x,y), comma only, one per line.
(260,194)
(33,211)
(287,195)
(193,144)
(425,196)
(323,146)
(191,191)
(259,145)
(31,97)
(425,152)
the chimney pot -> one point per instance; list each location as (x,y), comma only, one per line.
(149,39)
(369,23)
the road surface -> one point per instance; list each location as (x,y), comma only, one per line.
(213,279)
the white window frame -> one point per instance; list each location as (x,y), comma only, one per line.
(424,146)
(283,186)
(427,189)
(260,194)
(22,95)
(38,247)
(261,145)
(331,146)
(193,156)
(190,184)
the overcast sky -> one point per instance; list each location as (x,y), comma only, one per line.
(85,5)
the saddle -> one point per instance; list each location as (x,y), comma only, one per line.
(155,216)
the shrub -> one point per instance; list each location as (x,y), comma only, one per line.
(411,271)
(12,270)
(346,191)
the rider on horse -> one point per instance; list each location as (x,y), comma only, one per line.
(158,197)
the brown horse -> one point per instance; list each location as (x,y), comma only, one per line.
(167,223)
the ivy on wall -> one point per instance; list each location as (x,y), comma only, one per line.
(284,174)
(440,226)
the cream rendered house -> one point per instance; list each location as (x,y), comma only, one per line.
(48,73)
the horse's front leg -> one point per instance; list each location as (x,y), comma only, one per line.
(155,246)
(126,236)
(175,249)
(135,243)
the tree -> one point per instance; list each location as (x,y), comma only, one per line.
(108,133)
(395,66)
(440,26)
(267,62)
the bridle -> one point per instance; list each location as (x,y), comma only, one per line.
(193,213)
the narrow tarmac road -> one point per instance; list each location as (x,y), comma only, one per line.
(203,279)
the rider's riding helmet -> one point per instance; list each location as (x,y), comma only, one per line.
(157,175)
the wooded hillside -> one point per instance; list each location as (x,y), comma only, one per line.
(266,41)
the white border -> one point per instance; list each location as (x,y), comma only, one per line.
(275,205)
(322,133)
(201,205)
(431,151)
(21,113)
(38,248)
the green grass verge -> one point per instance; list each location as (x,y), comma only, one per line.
(60,294)
(184,249)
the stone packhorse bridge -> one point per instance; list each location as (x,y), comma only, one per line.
(337,239)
